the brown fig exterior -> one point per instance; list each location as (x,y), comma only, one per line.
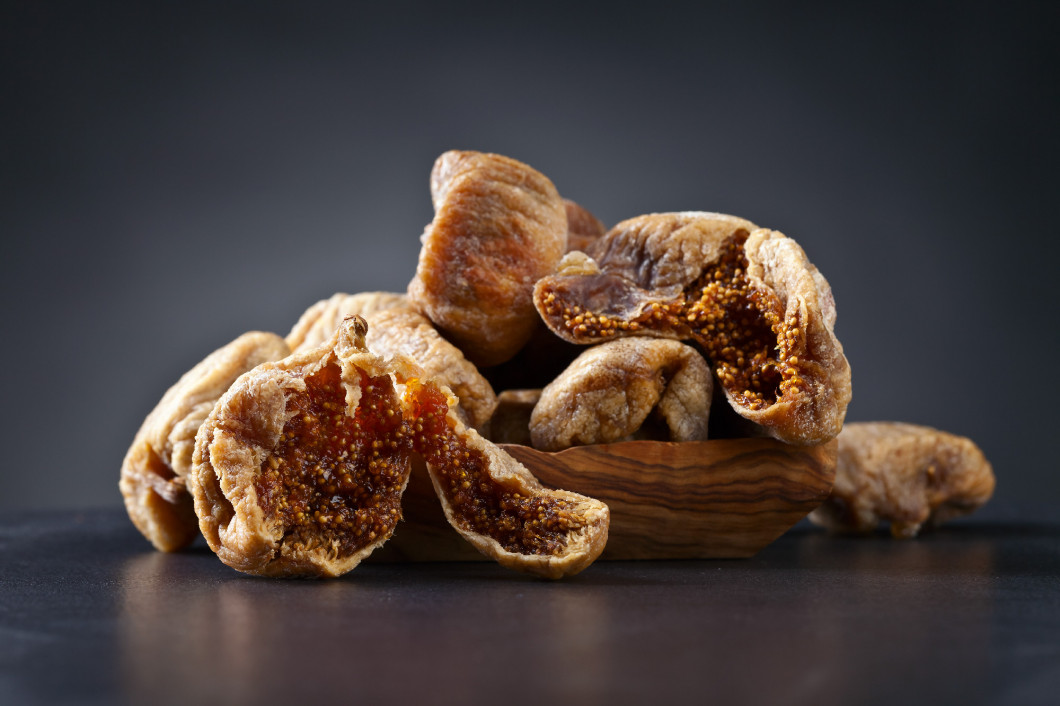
(609,391)
(319,322)
(156,466)
(499,226)
(905,474)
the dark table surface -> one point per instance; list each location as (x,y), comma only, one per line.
(970,613)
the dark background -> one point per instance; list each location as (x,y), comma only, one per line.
(175,174)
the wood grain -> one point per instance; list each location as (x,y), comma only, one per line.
(727,498)
(699,499)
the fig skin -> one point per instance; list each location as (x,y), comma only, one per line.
(499,226)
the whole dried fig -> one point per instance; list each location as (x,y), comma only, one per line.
(498,227)
(609,391)
(904,474)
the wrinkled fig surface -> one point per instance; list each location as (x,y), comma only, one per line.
(498,227)
(154,471)
(904,474)
(609,391)
(319,322)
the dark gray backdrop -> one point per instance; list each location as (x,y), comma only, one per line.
(174,175)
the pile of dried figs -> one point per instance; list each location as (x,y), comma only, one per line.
(527,322)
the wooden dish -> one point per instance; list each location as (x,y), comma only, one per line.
(727,498)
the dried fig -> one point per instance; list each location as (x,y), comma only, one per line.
(402,330)
(761,312)
(494,502)
(395,327)
(905,474)
(299,469)
(158,461)
(609,391)
(320,321)
(498,227)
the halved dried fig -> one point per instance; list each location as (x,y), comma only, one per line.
(319,322)
(905,474)
(299,469)
(761,312)
(403,331)
(494,502)
(158,461)
(609,391)
(498,227)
